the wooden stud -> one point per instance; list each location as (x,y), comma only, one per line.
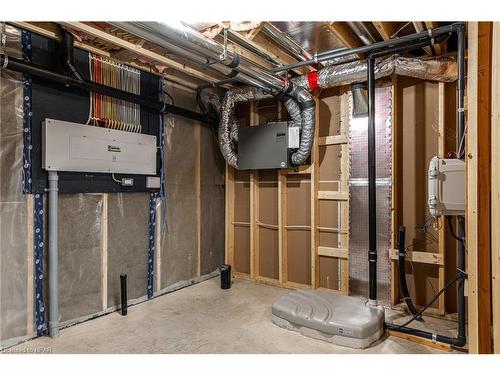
(495,187)
(254,206)
(229,197)
(104,252)
(197,183)
(478,186)
(441,222)
(253,33)
(282,222)
(315,203)
(344,188)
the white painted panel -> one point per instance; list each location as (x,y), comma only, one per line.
(76,147)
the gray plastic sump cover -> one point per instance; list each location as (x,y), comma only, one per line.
(331,317)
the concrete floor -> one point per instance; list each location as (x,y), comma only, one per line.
(205,319)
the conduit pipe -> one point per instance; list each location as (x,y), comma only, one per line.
(53,254)
(286,42)
(67,54)
(166,34)
(406,39)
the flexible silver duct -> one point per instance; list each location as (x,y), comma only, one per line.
(338,75)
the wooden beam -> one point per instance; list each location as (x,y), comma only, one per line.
(51,30)
(420,257)
(333,195)
(343,241)
(333,140)
(385,29)
(315,203)
(229,198)
(137,49)
(478,186)
(282,233)
(254,205)
(495,187)
(253,33)
(421,341)
(333,252)
(346,35)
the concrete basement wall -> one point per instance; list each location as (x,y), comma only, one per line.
(103,235)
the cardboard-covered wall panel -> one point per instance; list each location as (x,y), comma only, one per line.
(128,218)
(329,113)
(329,273)
(242,201)
(268,253)
(79,241)
(419,119)
(299,239)
(299,256)
(329,164)
(242,249)
(268,197)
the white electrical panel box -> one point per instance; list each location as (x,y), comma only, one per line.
(446,187)
(73,147)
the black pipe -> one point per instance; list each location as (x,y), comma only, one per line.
(402,272)
(69,82)
(372,197)
(403,40)
(67,58)
(123,295)
(461,338)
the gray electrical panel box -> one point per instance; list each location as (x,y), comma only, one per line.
(266,146)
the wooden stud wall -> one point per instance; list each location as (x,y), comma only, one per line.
(292,185)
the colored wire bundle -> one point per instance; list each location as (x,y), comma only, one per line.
(110,112)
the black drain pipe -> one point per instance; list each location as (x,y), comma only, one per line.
(67,41)
(402,273)
(461,338)
(20,66)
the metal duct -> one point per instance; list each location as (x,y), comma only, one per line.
(286,42)
(338,75)
(176,35)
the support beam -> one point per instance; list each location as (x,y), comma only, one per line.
(137,49)
(385,29)
(495,186)
(478,186)
(346,35)
(229,239)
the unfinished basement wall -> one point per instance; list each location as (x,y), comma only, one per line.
(103,235)
(421,106)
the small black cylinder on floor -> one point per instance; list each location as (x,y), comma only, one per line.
(225,276)
(123,282)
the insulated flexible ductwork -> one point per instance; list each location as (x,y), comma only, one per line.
(338,75)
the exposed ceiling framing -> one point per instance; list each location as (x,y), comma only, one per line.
(312,37)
